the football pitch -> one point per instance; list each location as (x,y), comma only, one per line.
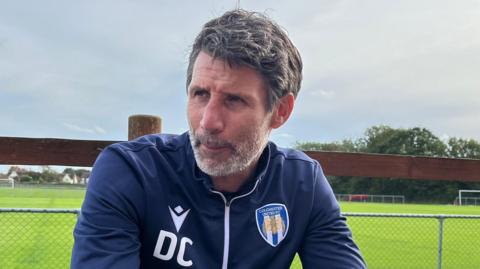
(41,240)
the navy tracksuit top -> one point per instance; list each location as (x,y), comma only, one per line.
(148,205)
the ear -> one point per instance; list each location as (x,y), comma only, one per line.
(282,110)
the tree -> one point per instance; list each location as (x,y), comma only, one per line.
(347,145)
(69,171)
(49,175)
(463,148)
(415,141)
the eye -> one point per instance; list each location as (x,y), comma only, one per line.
(199,93)
(234,100)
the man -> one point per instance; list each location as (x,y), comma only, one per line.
(221,195)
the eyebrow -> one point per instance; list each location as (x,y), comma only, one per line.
(246,97)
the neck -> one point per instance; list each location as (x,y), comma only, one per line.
(233,182)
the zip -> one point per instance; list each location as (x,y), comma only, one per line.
(226,222)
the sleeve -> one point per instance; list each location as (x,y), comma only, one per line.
(328,241)
(107,231)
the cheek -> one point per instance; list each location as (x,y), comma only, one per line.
(249,127)
(192,115)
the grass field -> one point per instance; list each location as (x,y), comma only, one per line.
(44,240)
(41,198)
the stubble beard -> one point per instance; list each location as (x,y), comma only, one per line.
(243,153)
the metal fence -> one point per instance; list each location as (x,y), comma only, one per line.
(54,186)
(417,240)
(371,198)
(36,238)
(42,238)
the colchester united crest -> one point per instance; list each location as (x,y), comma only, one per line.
(272,223)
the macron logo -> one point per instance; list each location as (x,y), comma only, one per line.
(178,216)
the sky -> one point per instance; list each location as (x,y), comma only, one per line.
(78,69)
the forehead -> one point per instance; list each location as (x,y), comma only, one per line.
(218,74)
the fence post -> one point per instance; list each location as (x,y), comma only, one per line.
(139,125)
(441,219)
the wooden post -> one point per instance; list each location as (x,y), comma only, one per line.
(139,125)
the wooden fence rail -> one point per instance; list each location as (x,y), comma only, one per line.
(67,152)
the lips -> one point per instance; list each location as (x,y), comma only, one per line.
(215,147)
(210,150)
(210,144)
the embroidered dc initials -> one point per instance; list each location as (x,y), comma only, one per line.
(178,217)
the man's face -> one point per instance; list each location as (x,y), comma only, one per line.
(229,123)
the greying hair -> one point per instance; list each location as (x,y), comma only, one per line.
(251,39)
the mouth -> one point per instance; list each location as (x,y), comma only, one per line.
(212,145)
(212,149)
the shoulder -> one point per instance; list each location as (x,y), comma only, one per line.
(140,160)
(296,168)
(161,142)
(291,158)
(151,145)
(147,151)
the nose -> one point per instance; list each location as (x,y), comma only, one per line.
(212,119)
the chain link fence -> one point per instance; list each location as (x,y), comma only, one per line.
(42,238)
(417,240)
(36,238)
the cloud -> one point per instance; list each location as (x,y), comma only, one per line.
(99,130)
(75,128)
(283,139)
(402,63)
(284,135)
(321,93)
